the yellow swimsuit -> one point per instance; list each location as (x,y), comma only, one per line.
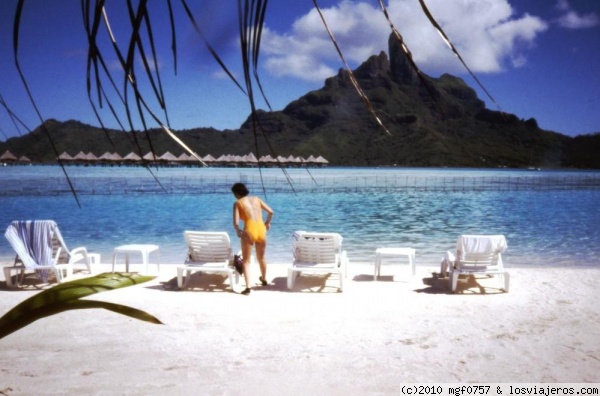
(256,229)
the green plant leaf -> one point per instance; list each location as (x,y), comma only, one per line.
(67,296)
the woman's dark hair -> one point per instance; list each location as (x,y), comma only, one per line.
(240,189)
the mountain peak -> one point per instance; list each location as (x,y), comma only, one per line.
(402,70)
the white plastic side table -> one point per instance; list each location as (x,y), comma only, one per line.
(144,250)
(382,253)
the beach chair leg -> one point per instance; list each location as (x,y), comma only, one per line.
(231,280)
(290,278)
(180,277)
(506,277)
(8,276)
(454,281)
(237,278)
(20,277)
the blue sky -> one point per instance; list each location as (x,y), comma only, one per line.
(538,58)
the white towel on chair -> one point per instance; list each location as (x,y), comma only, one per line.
(480,244)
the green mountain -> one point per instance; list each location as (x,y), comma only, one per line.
(431,122)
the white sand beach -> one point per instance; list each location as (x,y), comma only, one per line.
(370,339)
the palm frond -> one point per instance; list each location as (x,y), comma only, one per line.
(251,17)
(398,37)
(446,39)
(130,81)
(15,119)
(67,296)
(353,79)
(173,35)
(210,48)
(16,29)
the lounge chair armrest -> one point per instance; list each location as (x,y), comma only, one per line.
(63,271)
(447,263)
(78,254)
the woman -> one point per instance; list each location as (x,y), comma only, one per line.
(249,209)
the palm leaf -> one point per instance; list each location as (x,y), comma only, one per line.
(16,28)
(398,37)
(67,296)
(251,16)
(446,39)
(353,79)
(13,117)
(210,48)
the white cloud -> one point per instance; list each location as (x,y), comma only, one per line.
(487,33)
(572,20)
(299,65)
(307,52)
(518,61)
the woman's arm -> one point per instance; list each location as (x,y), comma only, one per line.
(269,211)
(236,220)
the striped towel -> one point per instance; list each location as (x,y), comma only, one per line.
(32,241)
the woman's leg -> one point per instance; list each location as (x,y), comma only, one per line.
(246,254)
(261,247)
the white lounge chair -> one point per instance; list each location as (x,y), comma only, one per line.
(208,252)
(41,249)
(476,255)
(316,252)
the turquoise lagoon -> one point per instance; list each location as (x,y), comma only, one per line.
(550,218)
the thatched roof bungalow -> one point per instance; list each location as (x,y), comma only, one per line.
(8,157)
(132,157)
(65,157)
